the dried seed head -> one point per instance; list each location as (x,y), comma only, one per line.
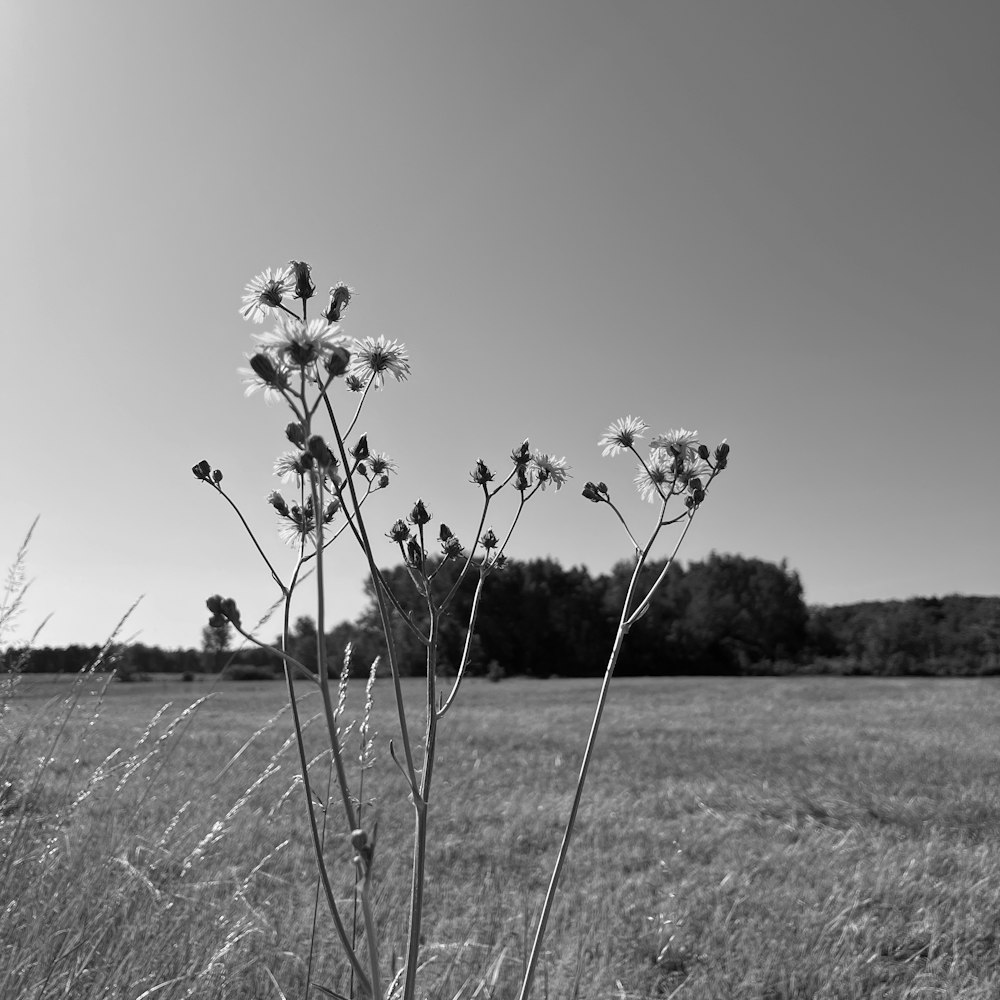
(399,532)
(419,515)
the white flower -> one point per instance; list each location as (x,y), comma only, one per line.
(380,463)
(372,358)
(265,292)
(680,444)
(621,434)
(549,469)
(698,469)
(655,480)
(288,464)
(297,344)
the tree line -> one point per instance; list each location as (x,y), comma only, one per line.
(727,614)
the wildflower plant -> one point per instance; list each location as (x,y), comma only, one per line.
(329,476)
(675,476)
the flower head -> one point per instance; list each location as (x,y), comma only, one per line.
(481,474)
(680,444)
(379,463)
(549,469)
(372,358)
(340,297)
(297,344)
(265,292)
(693,473)
(301,271)
(290,463)
(621,434)
(655,480)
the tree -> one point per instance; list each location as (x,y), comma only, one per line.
(214,643)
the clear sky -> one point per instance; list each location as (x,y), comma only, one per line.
(774,222)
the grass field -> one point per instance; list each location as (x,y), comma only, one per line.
(740,838)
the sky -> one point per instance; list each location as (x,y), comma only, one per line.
(774,222)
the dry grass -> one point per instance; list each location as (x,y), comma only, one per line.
(740,838)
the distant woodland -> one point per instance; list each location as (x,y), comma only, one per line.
(725,615)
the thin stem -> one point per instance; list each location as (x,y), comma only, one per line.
(287,657)
(316,484)
(314,827)
(253,538)
(472,551)
(631,538)
(624,624)
(644,604)
(420,806)
(361,402)
(381,589)
(468,645)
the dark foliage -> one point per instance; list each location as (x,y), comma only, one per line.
(725,615)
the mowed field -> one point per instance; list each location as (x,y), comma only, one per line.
(740,838)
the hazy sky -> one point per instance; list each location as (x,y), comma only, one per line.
(775,222)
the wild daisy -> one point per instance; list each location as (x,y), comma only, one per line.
(655,480)
(549,469)
(265,292)
(289,464)
(698,469)
(299,344)
(621,434)
(680,444)
(379,463)
(371,358)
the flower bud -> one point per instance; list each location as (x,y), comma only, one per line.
(217,476)
(295,434)
(602,488)
(399,532)
(489,540)
(223,609)
(320,452)
(722,451)
(451,547)
(354,383)
(419,515)
(500,562)
(414,554)
(703,452)
(340,296)
(360,450)
(521,479)
(338,361)
(698,495)
(383,481)
(590,492)
(202,470)
(304,288)
(521,455)
(695,485)
(481,474)
(277,501)
(263,368)
(444,532)
(331,510)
